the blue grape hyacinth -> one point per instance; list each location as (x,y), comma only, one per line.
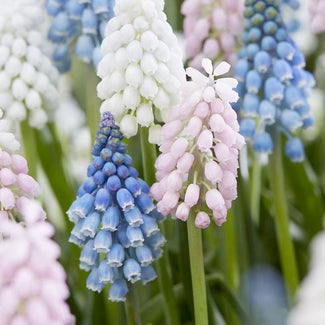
(273,85)
(78,26)
(115,218)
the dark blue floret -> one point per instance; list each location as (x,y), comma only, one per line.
(115,218)
(272,82)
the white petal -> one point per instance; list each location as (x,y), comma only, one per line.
(225,92)
(221,68)
(207,65)
(231,82)
(197,76)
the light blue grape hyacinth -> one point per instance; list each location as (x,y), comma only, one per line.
(78,27)
(115,218)
(273,84)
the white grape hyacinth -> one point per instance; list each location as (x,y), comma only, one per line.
(27,76)
(142,69)
(310,307)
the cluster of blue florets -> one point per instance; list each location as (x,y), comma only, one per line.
(79,23)
(115,218)
(273,85)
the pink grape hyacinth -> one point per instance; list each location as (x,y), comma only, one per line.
(32,282)
(212,29)
(317,13)
(197,168)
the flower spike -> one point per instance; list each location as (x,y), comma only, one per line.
(115,218)
(32,287)
(28,79)
(81,23)
(197,168)
(273,85)
(212,29)
(142,67)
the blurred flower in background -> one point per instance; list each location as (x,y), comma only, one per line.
(311,295)
(78,27)
(212,29)
(73,131)
(199,160)
(273,85)
(32,285)
(265,294)
(27,76)
(317,12)
(142,67)
(32,282)
(115,218)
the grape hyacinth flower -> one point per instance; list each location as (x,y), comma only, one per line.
(27,76)
(142,67)
(311,294)
(273,85)
(317,13)
(197,168)
(115,218)
(212,29)
(17,187)
(78,27)
(32,282)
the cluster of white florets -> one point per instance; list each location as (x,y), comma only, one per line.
(142,68)
(27,76)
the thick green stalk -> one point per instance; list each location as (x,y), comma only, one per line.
(132,307)
(287,254)
(255,192)
(232,261)
(197,272)
(183,263)
(232,264)
(149,155)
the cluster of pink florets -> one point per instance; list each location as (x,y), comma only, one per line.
(16,185)
(212,29)
(317,12)
(32,282)
(197,168)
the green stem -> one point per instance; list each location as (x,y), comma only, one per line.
(285,244)
(232,261)
(92,101)
(30,149)
(183,263)
(112,310)
(255,192)
(197,272)
(232,264)
(149,154)
(151,311)
(132,307)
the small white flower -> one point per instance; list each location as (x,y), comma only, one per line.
(223,87)
(129,126)
(145,115)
